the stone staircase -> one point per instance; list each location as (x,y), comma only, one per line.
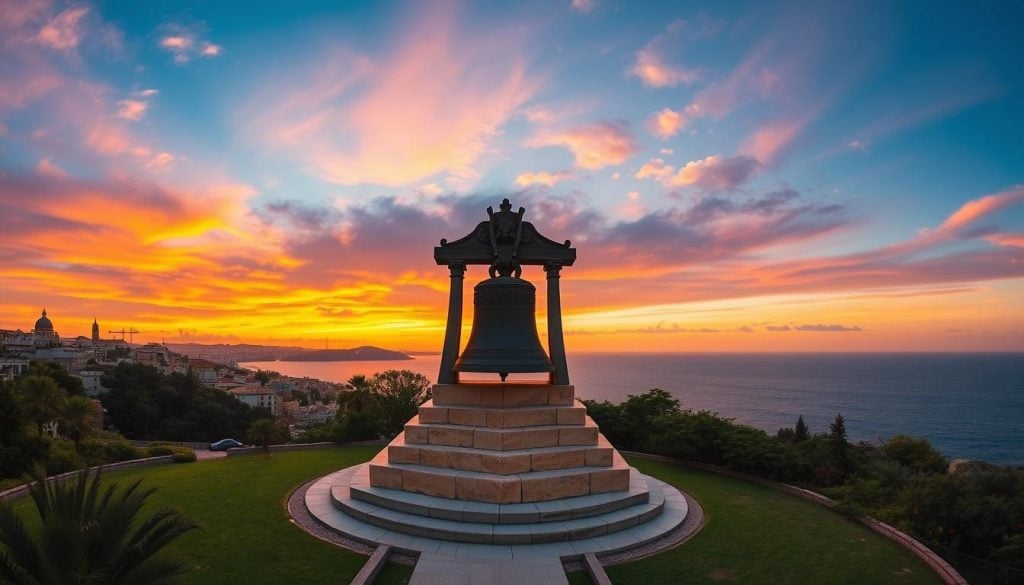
(500,463)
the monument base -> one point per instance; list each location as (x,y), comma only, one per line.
(499,464)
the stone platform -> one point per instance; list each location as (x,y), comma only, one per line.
(501,443)
(499,464)
(563,530)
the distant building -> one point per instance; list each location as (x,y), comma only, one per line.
(205,370)
(11,367)
(44,334)
(257,396)
(70,359)
(95,331)
(91,382)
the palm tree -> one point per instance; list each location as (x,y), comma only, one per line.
(359,382)
(263,432)
(76,418)
(89,535)
(41,398)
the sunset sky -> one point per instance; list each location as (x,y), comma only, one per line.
(735,176)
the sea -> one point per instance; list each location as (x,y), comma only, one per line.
(969,405)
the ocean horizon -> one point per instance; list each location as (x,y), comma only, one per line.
(969,405)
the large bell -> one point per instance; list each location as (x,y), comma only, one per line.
(504,337)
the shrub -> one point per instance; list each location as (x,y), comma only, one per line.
(62,457)
(184,456)
(159,450)
(917,454)
(102,451)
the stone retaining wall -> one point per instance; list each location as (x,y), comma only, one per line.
(195,446)
(301,446)
(21,490)
(946,572)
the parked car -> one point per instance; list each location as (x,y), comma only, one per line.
(225,444)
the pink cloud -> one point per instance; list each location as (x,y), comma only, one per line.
(595,146)
(1015,240)
(134,107)
(543,178)
(976,209)
(654,69)
(64,31)
(352,120)
(655,169)
(666,123)
(46,167)
(583,5)
(715,173)
(769,140)
(186,41)
(654,72)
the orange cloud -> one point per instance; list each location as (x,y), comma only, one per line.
(712,173)
(655,169)
(666,123)
(651,68)
(975,209)
(654,69)
(542,178)
(595,146)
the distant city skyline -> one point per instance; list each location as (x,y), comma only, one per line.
(741,177)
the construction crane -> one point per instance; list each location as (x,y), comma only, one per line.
(130,332)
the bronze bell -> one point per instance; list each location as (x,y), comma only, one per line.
(504,337)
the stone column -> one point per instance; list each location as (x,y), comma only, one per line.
(556,343)
(453,329)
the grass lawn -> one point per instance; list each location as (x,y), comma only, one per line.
(246,536)
(753,534)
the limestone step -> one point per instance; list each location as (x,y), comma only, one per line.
(489,533)
(499,394)
(639,492)
(318,501)
(501,439)
(502,416)
(501,462)
(532,486)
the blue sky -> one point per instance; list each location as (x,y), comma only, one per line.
(835,155)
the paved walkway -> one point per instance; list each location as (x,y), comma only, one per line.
(434,569)
(203,454)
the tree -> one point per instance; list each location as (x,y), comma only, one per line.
(801,433)
(264,433)
(90,533)
(70,384)
(42,400)
(262,377)
(359,382)
(146,404)
(838,443)
(399,394)
(76,418)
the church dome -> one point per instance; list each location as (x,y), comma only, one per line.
(43,323)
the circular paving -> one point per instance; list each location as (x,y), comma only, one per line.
(317,508)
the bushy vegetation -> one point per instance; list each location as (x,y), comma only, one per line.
(90,533)
(46,420)
(977,510)
(378,406)
(147,405)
